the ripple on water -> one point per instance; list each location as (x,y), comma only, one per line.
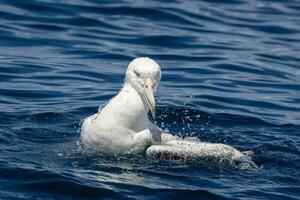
(230,75)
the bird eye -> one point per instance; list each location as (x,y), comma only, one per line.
(136,73)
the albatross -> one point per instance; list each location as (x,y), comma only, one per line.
(122,125)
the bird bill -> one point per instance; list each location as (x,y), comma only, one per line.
(149,94)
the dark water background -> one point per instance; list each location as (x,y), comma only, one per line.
(230,74)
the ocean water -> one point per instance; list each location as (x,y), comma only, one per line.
(230,74)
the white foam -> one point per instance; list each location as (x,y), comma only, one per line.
(188,150)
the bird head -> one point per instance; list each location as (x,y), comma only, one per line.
(144,75)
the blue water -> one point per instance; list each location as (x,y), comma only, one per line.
(230,74)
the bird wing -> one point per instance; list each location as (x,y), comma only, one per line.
(155,132)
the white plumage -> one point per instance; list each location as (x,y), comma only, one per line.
(122,126)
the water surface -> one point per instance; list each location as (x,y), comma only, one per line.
(230,74)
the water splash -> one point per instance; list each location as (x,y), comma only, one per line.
(194,151)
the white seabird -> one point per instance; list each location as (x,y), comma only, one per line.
(122,126)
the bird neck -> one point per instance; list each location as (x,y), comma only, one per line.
(134,98)
(128,108)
